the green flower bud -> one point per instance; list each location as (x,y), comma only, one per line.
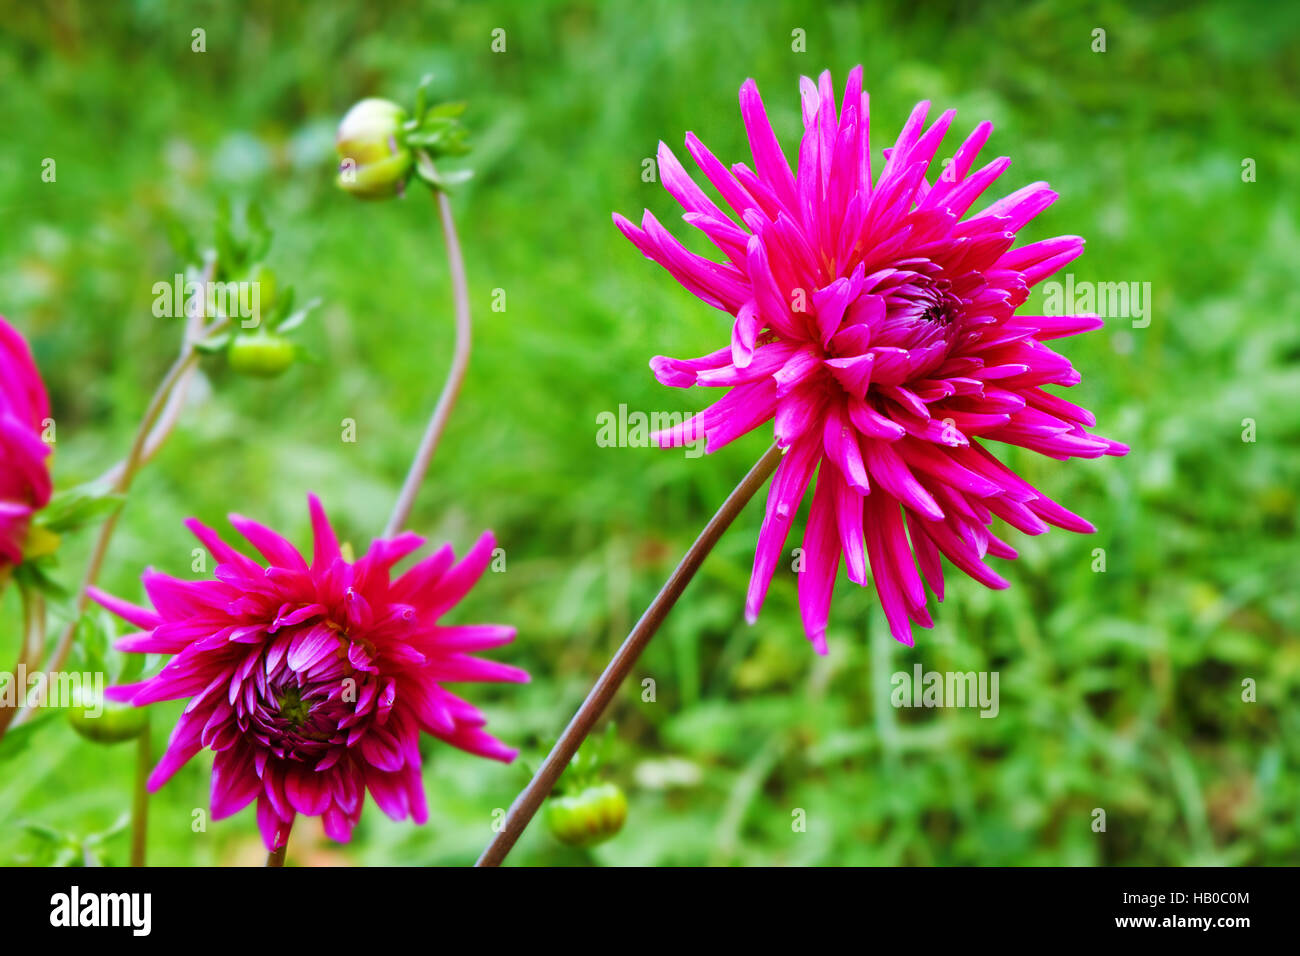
(114,723)
(262,354)
(374,160)
(590,817)
(262,277)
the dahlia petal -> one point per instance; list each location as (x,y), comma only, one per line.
(871,423)
(768,360)
(772,304)
(718,174)
(934,461)
(798,413)
(386,552)
(133,614)
(456,583)
(682,188)
(789,482)
(769,161)
(682,373)
(842,448)
(389,793)
(1041,270)
(744,334)
(422,576)
(475,741)
(927,555)
(821,548)
(883,570)
(830,303)
(471,637)
(757,404)
(1037,252)
(234,782)
(275,828)
(651,250)
(1020,206)
(848,519)
(337,825)
(178,753)
(961,163)
(891,472)
(456,668)
(854,373)
(223,552)
(1057,326)
(311,645)
(276,549)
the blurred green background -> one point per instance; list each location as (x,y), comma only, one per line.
(1119,690)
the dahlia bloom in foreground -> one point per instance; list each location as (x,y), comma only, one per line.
(876,327)
(24,473)
(312,682)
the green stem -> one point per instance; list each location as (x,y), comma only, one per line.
(29,654)
(140,802)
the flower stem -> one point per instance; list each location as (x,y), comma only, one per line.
(530,799)
(140,801)
(455,377)
(29,654)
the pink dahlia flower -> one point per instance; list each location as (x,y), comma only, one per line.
(24,473)
(877,328)
(312,681)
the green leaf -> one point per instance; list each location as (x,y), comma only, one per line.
(259,234)
(299,317)
(37,574)
(19,736)
(79,507)
(214,344)
(449,110)
(422,94)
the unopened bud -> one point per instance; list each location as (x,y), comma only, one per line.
(262,354)
(374,162)
(590,817)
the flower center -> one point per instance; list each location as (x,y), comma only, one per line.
(293,709)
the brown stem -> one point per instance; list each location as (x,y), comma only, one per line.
(455,377)
(530,799)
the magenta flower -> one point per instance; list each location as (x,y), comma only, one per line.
(312,682)
(877,328)
(24,473)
